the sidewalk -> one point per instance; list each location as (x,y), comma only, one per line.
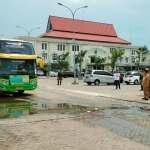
(60,132)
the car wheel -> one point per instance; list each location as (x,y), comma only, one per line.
(89,83)
(127,83)
(108,83)
(136,82)
(96,82)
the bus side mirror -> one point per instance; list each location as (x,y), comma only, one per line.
(41,63)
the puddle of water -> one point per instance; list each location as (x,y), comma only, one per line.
(16,106)
(63,108)
(11,107)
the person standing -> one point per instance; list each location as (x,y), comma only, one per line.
(145,83)
(117,79)
(59,77)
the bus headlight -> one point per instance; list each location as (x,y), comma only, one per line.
(33,81)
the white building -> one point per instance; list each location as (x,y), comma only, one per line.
(97,38)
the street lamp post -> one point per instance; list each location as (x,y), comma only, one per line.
(4,35)
(73,14)
(27,30)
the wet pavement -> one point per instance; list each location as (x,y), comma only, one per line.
(129,121)
(67,120)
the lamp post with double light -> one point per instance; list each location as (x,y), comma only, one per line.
(27,30)
(73,14)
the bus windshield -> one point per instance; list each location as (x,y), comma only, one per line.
(17,67)
(16,47)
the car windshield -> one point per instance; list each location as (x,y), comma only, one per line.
(17,67)
(15,47)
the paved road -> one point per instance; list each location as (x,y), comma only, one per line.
(122,121)
(127,93)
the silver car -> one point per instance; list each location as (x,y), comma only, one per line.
(98,76)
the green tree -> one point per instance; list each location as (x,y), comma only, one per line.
(141,55)
(61,62)
(79,58)
(98,60)
(115,55)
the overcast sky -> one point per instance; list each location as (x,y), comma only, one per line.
(130,18)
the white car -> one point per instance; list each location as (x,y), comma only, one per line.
(40,73)
(98,76)
(53,73)
(132,77)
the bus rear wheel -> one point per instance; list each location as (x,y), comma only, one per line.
(21,92)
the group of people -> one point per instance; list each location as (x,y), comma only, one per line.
(145,82)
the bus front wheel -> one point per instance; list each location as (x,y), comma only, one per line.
(21,91)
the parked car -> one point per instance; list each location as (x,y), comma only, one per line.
(98,76)
(67,74)
(53,73)
(40,73)
(132,77)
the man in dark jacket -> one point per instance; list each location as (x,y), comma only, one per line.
(59,77)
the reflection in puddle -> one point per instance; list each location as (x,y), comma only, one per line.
(16,106)
(62,108)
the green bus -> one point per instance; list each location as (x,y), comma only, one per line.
(18,67)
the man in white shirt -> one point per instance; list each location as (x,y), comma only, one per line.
(117,79)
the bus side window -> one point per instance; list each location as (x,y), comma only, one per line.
(4,49)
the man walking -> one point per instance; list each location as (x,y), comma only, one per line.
(117,79)
(59,77)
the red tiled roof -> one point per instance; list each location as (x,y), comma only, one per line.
(81,26)
(88,37)
(84,30)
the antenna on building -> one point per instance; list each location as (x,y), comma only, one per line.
(83,14)
(130,35)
